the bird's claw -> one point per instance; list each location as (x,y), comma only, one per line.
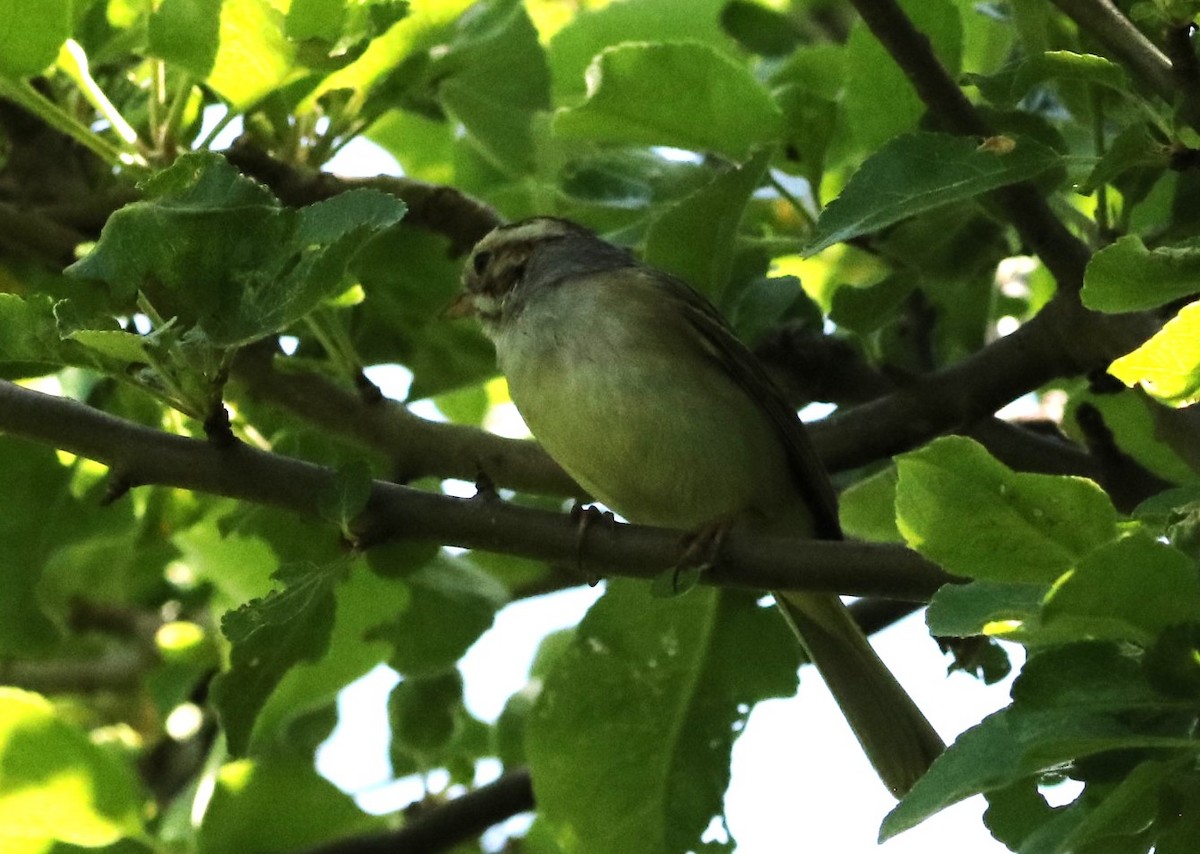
(584,516)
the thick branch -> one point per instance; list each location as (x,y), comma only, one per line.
(140,455)
(1064,339)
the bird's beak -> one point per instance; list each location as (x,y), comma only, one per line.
(463,306)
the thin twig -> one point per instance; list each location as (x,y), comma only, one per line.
(1117,34)
(1064,255)
(443,827)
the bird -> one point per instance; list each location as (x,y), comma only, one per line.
(637,387)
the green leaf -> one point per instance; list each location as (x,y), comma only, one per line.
(809,124)
(1168,365)
(270,636)
(275,264)
(592,30)
(766,303)
(410,278)
(1133,147)
(921,171)
(41,517)
(1145,430)
(316,19)
(1127,276)
(651,94)
(31,34)
(424,713)
(974,516)
(277,803)
(651,692)
(878,99)
(29,333)
(363,600)
(1065,65)
(867,509)
(983,608)
(56,784)
(493,78)
(629,177)
(254,56)
(1069,703)
(759,29)
(708,217)
(1015,812)
(1130,589)
(511,726)
(866,309)
(346,495)
(406,43)
(186,33)
(1126,811)
(450,604)
(1173,663)
(116,344)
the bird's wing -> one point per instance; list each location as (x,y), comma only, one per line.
(735,358)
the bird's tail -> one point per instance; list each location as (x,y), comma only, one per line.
(896,737)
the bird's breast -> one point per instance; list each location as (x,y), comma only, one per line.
(643,419)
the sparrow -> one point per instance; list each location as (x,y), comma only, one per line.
(636,386)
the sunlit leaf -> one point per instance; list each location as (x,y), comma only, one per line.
(626,101)
(959,506)
(1168,365)
(56,784)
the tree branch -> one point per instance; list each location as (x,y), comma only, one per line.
(417,448)
(1122,39)
(433,207)
(119,669)
(1064,255)
(139,455)
(1064,339)
(27,231)
(442,827)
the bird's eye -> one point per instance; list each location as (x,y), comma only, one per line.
(481,261)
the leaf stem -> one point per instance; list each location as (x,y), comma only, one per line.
(24,95)
(332,336)
(74,63)
(207,142)
(788,196)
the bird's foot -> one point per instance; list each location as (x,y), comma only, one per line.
(584,516)
(701,552)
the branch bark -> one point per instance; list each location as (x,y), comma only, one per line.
(434,207)
(443,827)
(417,448)
(1117,34)
(1064,255)
(138,455)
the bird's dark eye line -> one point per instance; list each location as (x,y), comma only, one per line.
(481,262)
